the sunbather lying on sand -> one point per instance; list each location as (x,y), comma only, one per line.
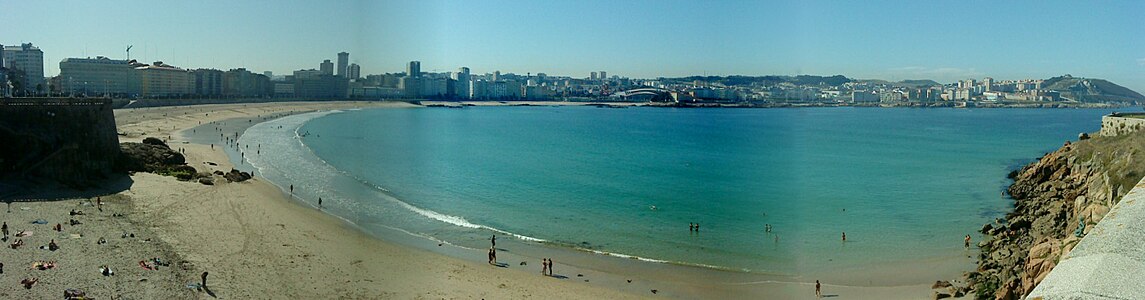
(28,282)
(43,265)
(16,244)
(23,233)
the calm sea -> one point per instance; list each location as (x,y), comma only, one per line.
(906,185)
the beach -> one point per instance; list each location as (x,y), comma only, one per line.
(257,242)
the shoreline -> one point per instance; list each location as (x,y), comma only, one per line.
(668,287)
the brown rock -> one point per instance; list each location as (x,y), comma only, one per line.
(940,284)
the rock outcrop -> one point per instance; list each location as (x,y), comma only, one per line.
(148,157)
(1057,200)
(237,176)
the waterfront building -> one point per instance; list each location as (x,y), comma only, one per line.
(307,74)
(592,76)
(98,76)
(343,60)
(283,90)
(355,71)
(163,80)
(326,67)
(603,75)
(242,83)
(323,86)
(30,60)
(462,83)
(411,86)
(208,82)
(414,69)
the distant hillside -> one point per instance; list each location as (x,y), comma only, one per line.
(1091,90)
(918,83)
(836,80)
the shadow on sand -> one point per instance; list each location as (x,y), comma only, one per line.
(30,190)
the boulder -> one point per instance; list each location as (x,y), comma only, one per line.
(940,284)
(1082,136)
(237,176)
(206,181)
(156,142)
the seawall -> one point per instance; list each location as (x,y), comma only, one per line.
(67,141)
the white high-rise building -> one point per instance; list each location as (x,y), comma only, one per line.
(354,71)
(327,67)
(462,83)
(343,60)
(30,60)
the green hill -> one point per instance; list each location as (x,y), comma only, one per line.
(1091,90)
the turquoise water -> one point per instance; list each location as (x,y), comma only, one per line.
(904,184)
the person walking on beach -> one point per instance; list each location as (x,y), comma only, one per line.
(5,229)
(292,189)
(492,256)
(319,202)
(818,290)
(550,267)
(844,236)
(493,241)
(967,239)
(544,266)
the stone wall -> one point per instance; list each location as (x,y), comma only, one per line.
(69,141)
(1119,124)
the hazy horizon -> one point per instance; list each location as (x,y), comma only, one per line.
(639,39)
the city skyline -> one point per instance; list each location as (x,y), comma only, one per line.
(892,40)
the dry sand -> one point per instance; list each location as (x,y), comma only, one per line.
(257,243)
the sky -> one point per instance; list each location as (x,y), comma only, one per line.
(893,40)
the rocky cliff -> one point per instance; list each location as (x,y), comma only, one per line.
(1057,200)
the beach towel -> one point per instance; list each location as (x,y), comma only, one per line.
(40,221)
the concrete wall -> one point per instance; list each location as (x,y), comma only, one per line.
(1119,124)
(49,139)
(1109,262)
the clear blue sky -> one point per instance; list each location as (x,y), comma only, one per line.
(894,40)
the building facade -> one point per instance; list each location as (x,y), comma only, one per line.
(326,67)
(98,76)
(163,80)
(354,71)
(242,83)
(208,82)
(414,69)
(29,60)
(343,59)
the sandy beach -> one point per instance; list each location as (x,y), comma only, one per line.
(257,243)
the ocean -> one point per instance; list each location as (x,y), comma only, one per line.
(905,185)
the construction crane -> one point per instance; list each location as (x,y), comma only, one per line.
(129,52)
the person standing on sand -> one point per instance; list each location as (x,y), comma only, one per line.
(544,266)
(967,239)
(550,267)
(5,229)
(493,241)
(319,202)
(492,256)
(818,290)
(292,189)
